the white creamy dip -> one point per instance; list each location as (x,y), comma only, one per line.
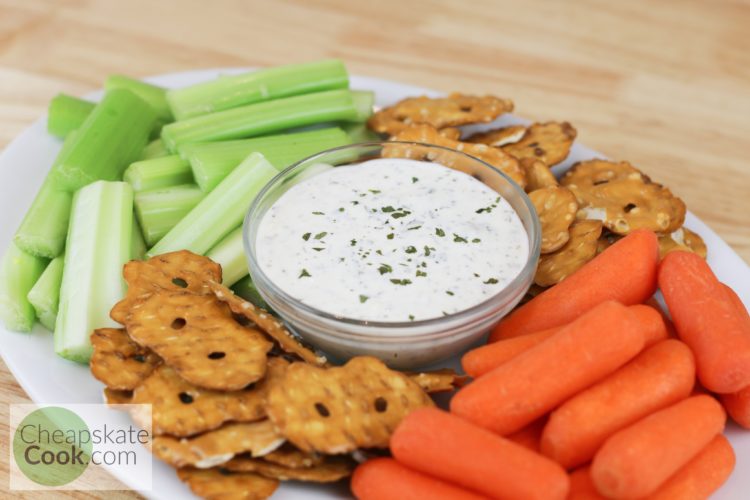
(391,240)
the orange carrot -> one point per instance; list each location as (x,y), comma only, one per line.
(651,323)
(658,377)
(447,447)
(637,460)
(516,393)
(582,487)
(702,475)
(737,405)
(530,436)
(479,361)
(625,272)
(386,479)
(708,321)
(736,301)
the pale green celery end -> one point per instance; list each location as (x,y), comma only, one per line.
(360,132)
(220,211)
(66,113)
(364,100)
(138,246)
(229,91)
(154,149)
(230,255)
(45,226)
(154,95)
(246,289)
(262,118)
(158,173)
(159,210)
(98,245)
(110,139)
(45,294)
(18,273)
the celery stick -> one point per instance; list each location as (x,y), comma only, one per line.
(137,243)
(159,210)
(270,116)
(245,288)
(212,161)
(154,149)
(282,81)
(109,140)
(158,173)
(360,132)
(45,294)
(230,254)
(154,95)
(220,211)
(66,113)
(18,273)
(98,246)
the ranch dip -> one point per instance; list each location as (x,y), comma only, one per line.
(391,240)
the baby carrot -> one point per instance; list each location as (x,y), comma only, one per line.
(447,447)
(637,460)
(658,377)
(582,487)
(702,475)
(483,359)
(530,436)
(737,405)
(528,386)
(625,272)
(386,479)
(708,321)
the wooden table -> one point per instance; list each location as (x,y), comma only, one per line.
(665,85)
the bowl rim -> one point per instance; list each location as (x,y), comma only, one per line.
(467,315)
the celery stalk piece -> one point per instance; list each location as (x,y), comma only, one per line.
(155,96)
(159,210)
(220,211)
(18,273)
(270,116)
(138,246)
(109,140)
(228,92)
(157,173)
(98,246)
(230,254)
(154,149)
(66,113)
(245,288)
(45,294)
(360,132)
(212,161)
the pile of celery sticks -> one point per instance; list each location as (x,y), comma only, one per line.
(148,170)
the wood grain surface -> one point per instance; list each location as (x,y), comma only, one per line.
(665,85)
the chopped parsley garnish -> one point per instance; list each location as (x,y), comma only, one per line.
(320,235)
(387,209)
(374,191)
(390,236)
(402,213)
(459,239)
(476,240)
(414,180)
(411,249)
(306,236)
(491,281)
(411,317)
(439,232)
(402,282)
(304,274)
(318,249)
(341,209)
(385,268)
(421,274)
(485,209)
(379,252)
(318,213)
(355,202)
(353,242)
(363,299)
(450,293)
(427,252)
(413,228)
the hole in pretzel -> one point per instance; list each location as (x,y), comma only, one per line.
(216,355)
(180,282)
(381,404)
(185,398)
(629,207)
(597,183)
(140,358)
(322,410)
(178,323)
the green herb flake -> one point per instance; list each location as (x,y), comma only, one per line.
(387,209)
(390,236)
(355,202)
(318,213)
(411,249)
(421,274)
(491,281)
(320,236)
(363,299)
(414,180)
(402,282)
(385,268)
(318,249)
(450,293)
(411,317)
(413,228)
(459,239)
(353,243)
(402,213)
(304,274)
(306,236)
(341,209)
(374,191)
(379,252)
(427,251)
(476,240)
(439,232)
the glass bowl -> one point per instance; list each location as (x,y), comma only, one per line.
(403,345)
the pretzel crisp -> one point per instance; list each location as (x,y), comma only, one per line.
(222,484)
(330,470)
(118,362)
(538,174)
(624,198)
(218,446)
(292,458)
(454,110)
(198,337)
(429,135)
(174,271)
(682,239)
(581,248)
(337,410)
(556,208)
(499,137)
(444,380)
(549,142)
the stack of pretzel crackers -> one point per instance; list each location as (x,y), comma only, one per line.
(237,402)
(595,203)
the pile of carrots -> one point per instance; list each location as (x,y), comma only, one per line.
(589,391)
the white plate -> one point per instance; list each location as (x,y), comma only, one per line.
(49,379)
